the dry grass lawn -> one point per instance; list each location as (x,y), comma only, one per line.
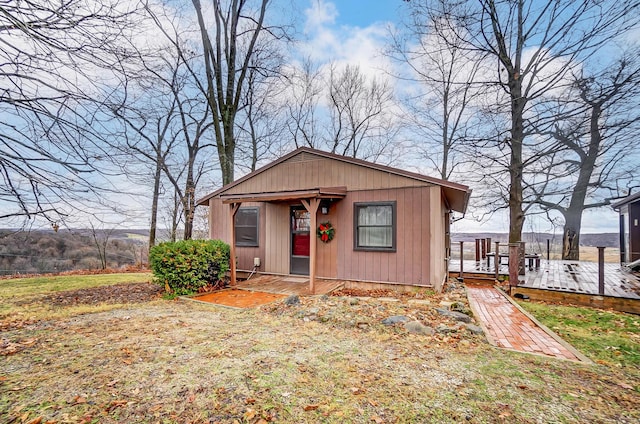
(326,360)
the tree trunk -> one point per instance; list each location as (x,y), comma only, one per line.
(154,204)
(571,235)
(516,213)
(573,215)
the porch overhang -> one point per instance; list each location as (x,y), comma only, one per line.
(282,196)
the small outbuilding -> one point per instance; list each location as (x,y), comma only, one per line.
(328,216)
(629,209)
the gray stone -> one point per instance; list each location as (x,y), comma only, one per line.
(443,329)
(294,299)
(354,301)
(416,327)
(388,299)
(394,319)
(312,311)
(324,297)
(418,302)
(474,329)
(458,316)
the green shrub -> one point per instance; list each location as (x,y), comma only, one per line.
(187,265)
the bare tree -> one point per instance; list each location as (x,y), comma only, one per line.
(441,110)
(362,124)
(261,116)
(237,27)
(593,145)
(534,44)
(305,91)
(49,56)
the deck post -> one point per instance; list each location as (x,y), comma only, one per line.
(514,264)
(521,259)
(484,248)
(461,259)
(496,259)
(548,249)
(477,250)
(601,270)
(233,209)
(312,207)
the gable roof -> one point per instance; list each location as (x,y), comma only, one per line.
(456,195)
(629,199)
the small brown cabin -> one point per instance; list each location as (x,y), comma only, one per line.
(629,209)
(389,225)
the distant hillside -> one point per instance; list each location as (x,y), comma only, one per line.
(602,239)
(46,251)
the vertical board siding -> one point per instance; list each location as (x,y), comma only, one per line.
(220,228)
(415,254)
(277,239)
(327,252)
(311,171)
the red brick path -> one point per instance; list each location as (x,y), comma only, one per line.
(508,327)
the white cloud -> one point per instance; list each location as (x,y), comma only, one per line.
(319,14)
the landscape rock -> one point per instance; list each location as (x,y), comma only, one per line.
(444,329)
(418,302)
(292,300)
(458,316)
(354,301)
(416,327)
(474,329)
(394,319)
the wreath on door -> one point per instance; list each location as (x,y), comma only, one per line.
(326,232)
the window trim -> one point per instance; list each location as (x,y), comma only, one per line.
(394,227)
(257,227)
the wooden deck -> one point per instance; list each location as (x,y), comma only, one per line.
(569,276)
(287,284)
(568,281)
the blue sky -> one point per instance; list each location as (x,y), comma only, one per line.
(366,12)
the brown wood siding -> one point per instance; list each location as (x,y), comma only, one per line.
(419,255)
(220,229)
(327,252)
(634,230)
(277,252)
(310,171)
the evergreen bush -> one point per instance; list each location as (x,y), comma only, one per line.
(185,266)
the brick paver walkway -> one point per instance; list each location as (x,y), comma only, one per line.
(506,326)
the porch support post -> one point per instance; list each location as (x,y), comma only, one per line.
(311,206)
(233,208)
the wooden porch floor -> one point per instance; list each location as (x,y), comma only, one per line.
(287,284)
(566,276)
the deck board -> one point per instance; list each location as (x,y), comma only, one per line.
(286,284)
(567,276)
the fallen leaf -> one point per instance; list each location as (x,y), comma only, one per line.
(356,391)
(36,420)
(377,419)
(249,401)
(191,398)
(311,407)
(249,415)
(127,361)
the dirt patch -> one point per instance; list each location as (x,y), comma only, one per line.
(239,298)
(118,293)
